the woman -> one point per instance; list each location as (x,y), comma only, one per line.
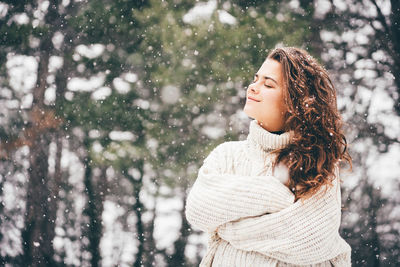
(274,198)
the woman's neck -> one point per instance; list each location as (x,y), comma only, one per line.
(273,132)
(278,132)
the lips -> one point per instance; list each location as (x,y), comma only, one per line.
(252,98)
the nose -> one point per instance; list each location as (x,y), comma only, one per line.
(253,88)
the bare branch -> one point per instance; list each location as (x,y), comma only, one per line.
(381,18)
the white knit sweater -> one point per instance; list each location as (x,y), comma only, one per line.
(250,215)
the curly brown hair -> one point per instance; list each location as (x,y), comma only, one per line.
(317,141)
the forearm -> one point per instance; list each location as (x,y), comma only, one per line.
(219,198)
(286,233)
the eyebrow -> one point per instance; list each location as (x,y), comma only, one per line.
(266,77)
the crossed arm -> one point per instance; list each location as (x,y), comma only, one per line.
(301,233)
(218,197)
(258,213)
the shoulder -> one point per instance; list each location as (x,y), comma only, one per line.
(223,156)
(225,151)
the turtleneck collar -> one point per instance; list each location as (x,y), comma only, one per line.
(260,138)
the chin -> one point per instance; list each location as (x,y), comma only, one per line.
(248,112)
(249,115)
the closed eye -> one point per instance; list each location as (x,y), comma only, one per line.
(266,78)
(255,79)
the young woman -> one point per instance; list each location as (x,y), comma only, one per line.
(274,199)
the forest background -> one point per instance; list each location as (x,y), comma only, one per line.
(108,109)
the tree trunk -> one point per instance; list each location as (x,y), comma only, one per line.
(95,188)
(374,207)
(178,258)
(150,245)
(395,32)
(39,232)
(2,215)
(138,208)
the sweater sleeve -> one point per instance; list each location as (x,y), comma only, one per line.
(302,233)
(218,197)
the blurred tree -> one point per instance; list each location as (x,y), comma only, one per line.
(39,229)
(361,50)
(115,112)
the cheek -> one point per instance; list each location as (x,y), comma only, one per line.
(283,105)
(276,100)
(278,104)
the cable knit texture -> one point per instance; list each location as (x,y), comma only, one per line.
(250,216)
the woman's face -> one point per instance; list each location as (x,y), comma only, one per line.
(264,101)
